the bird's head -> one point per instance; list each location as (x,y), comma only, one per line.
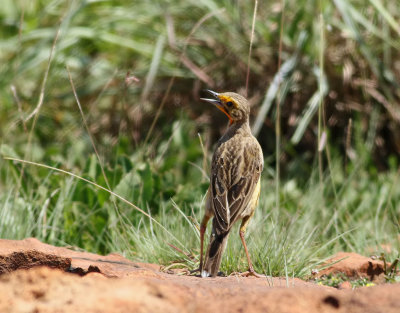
(235,106)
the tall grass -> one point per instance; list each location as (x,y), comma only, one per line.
(139,170)
(312,223)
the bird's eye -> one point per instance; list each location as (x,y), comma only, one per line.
(229,103)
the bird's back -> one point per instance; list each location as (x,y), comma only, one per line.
(236,168)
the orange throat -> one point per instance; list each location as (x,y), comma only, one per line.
(226,113)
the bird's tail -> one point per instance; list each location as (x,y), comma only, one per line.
(214,253)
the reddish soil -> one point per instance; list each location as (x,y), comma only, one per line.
(355,266)
(35,277)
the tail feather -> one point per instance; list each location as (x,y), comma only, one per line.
(214,254)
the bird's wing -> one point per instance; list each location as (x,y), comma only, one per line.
(233,182)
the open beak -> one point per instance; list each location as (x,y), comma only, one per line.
(217,102)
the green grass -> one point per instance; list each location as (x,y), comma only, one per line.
(336,280)
(150,142)
(358,214)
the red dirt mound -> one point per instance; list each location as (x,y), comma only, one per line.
(114,284)
(355,266)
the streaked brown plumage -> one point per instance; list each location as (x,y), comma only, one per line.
(235,181)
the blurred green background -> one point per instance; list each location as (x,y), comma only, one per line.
(139,69)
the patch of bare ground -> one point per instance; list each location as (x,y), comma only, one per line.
(354,265)
(36,284)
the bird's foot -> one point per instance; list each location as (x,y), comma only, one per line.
(250,272)
(254,273)
(197,270)
(202,273)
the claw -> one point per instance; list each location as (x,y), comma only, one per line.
(250,272)
(255,274)
(194,271)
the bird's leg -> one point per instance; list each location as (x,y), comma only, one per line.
(242,232)
(203,227)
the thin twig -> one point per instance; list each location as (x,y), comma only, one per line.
(278,115)
(16,99)
(205,163)
(348,143)
(21,22)
(35,112)
(321,100)
(46,74)
(188,255)
(251,45)
(91,138)
(172,80)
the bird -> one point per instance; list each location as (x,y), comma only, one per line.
(234,189)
